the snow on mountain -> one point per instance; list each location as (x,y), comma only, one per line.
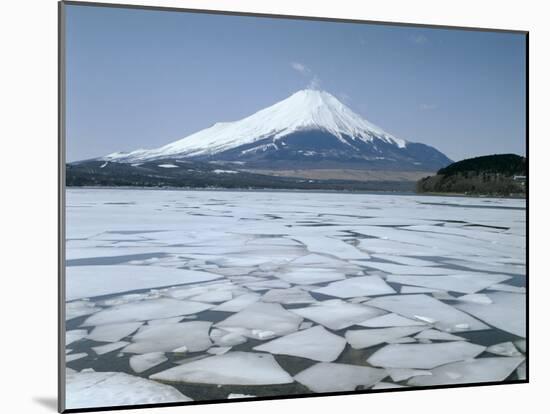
(304,110)
(308,124)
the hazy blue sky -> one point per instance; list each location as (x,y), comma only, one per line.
(141,79)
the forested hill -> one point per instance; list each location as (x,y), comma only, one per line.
(502,174)
(506,164)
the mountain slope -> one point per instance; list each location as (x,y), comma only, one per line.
(308,128)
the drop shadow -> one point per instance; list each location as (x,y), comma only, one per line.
(48,402)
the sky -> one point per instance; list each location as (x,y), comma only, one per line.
(144,78)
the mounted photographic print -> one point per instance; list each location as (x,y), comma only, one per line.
(260,206)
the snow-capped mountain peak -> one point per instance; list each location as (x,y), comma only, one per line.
(304,110)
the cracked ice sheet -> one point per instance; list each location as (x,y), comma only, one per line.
(145,310)
(104,349)
(232,368)
(504,349)
(437,244)
(365,338)
(104,389)
(337,314)
(90,281)
(320,261)
(401,374)
(464,283)
(507,312)
(238,304)
(423,307)
(289,296)
(435,335)
(390,320)
(331,246)
(186,292)
(74,335)
(332,377)
(357,286)
(262,316)
(166,338)
(424,356)
(79,308)
(140,363)
(472,371)
(114,332)
(405,260)
(501,287)
(314,343)
(310,275)
(406,269)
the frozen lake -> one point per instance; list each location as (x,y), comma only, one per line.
(208,295)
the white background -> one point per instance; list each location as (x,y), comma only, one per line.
(28,231)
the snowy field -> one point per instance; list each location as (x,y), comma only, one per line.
(209,295)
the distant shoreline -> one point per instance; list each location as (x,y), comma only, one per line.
(292,190)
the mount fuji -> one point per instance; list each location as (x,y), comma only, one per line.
(309,129)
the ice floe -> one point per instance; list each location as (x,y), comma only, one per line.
(504,349)
(310,275)
(219,350)
(74,357)
(234,396)
(143,362)
(435,335)
(357,286)
(333,377)
(194,336)
(337,314)
(213,297)
(146,310)
(401,374)
(233,368)
(428,309)
(404,260)
(424,356)
(407,270)
(386,386)
(90,281)
(225,338)
(162,321)
(389,320)
(416,289)
(502,287)
(239,303)
(74,335)
(331,246)
(105,389)
(364,338)
(289,296)
(264,317)
(79,308)
(521,344)
(466,283)
(114,332)
(507,312)
(522,371)
(470,371)
(314,343)
(476,298)
(104,349)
